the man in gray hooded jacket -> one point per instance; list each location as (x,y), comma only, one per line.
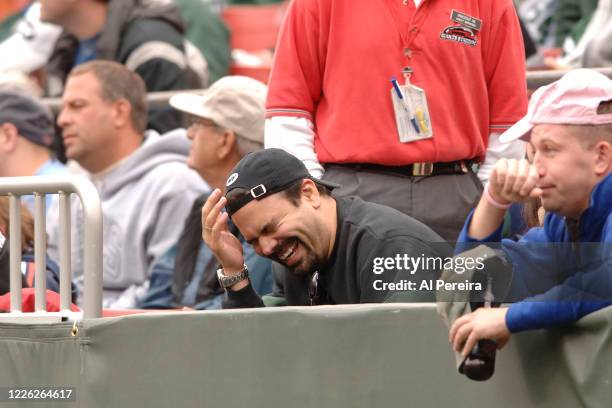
(145,186)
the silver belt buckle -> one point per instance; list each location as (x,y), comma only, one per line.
(422,169)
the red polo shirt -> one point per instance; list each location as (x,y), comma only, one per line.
(335,58)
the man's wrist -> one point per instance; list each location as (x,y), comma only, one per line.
(234,280)
(485,220)
(240,285)
(494,200)
(232,270)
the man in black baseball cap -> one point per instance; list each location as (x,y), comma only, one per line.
(326,250)
(26,137)
(29,117)
(270,171)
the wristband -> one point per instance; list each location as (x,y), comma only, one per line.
(492,201)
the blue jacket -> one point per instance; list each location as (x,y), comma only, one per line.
(183,275)
(159,294)
(563,270)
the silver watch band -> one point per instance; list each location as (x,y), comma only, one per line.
(229,281)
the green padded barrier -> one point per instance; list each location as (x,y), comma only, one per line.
(392,355)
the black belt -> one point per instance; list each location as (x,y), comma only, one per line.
(416,169)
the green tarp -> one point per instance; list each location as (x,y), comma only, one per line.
(207,32)
(7,25)
(391,355)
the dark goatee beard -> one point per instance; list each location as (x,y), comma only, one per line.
(307,266)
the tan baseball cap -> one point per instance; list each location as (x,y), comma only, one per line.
(236,103)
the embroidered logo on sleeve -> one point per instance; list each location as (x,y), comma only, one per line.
(462,35)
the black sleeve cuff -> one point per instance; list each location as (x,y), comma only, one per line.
(243,298)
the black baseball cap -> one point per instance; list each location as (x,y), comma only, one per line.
(31,118)
(265,172)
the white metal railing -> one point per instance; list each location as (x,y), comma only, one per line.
(40,186)
(535,79)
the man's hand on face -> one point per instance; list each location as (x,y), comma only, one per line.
(215,233)
(513,181)
(484,323)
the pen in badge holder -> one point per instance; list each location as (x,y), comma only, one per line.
(400,95)
(421,118)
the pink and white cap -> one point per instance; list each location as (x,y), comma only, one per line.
(572,100)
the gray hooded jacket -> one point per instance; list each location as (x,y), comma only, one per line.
(145,199)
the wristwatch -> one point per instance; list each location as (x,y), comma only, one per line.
(229,281)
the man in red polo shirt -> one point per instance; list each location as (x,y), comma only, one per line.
(330,98)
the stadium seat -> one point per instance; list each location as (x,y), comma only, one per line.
(11,7)
(253,29)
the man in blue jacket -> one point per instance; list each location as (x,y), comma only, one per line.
(563,270)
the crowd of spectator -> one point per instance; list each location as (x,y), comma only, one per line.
(568,33)
(244,194)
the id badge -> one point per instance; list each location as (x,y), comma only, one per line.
(411,113)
